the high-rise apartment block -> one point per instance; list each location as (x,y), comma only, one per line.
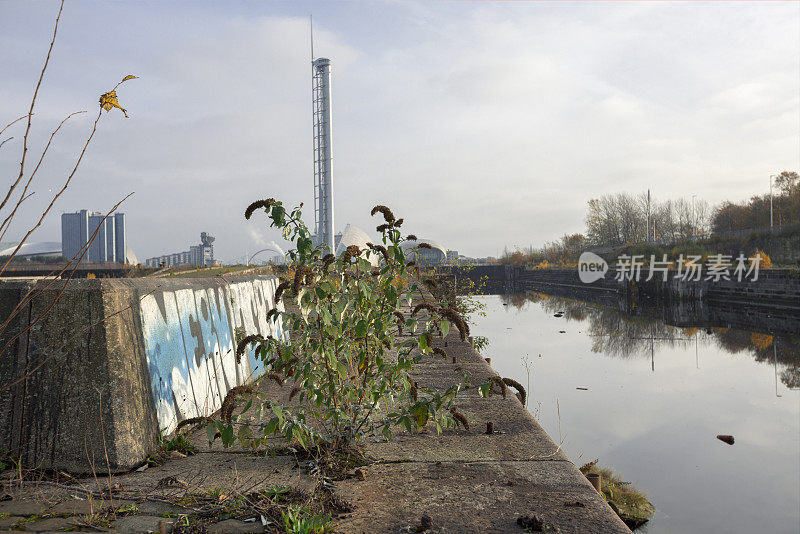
(108,244)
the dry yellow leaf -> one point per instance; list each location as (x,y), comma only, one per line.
(109,100)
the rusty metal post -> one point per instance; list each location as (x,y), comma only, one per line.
(596,480)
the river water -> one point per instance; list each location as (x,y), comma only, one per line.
(656,397)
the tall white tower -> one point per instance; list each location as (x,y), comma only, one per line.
(323,180)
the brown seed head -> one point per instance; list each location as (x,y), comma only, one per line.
(459,417)
(242,346)
(453,316)
(276,377)
(388,216)
(382,250)
(502,385)
(279,292)
(516,385)
(190,421)
(424,306)
(258,204)
(228,405)
(298,280)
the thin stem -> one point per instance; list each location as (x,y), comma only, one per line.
(30,111)
(52,202)
(30,178)
(7,126)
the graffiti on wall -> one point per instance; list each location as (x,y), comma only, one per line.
(190,341)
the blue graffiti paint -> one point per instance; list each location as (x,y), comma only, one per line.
(189,338)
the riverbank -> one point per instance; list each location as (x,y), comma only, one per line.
(773,298)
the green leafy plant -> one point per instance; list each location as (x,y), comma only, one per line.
(349,348)
(481,343)
(461,292)
(300,520)
(180,444)
(276,492)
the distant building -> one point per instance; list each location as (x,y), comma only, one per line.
(110,239)
(434,254)
(201,255)
(33,251)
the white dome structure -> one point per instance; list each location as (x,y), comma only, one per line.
(130,257)
(353,235)
(429,256)
(47,248)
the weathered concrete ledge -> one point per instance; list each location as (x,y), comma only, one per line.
(466,480)
(89,385)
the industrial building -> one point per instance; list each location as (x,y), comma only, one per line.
(201,255)
(110,240)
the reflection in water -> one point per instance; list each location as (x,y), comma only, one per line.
(619,334)
(647,390)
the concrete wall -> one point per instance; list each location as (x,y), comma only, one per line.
(162,350)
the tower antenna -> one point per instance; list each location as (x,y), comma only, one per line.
(311,26)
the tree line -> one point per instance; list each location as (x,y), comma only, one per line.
(622,218)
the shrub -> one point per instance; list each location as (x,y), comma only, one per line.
(766,262)
(344,356)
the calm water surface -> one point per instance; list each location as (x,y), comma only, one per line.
(656,398)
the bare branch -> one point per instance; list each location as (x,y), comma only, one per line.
(33,174)
(30,111)
(63,188)
(7,126)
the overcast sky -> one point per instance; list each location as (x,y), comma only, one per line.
(484,125)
